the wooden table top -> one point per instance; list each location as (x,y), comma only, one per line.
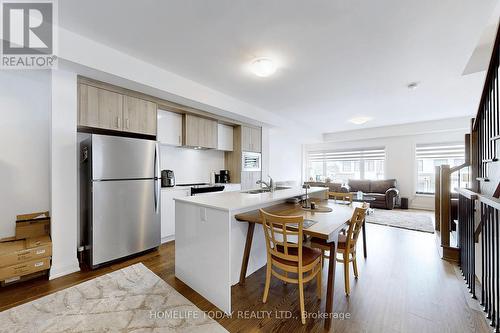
(328,224)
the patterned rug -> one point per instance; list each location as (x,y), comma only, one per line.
(132,299)
(407,219)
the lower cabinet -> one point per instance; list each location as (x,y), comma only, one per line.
(168,211)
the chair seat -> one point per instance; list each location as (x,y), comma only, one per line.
(308,255)
(343,242)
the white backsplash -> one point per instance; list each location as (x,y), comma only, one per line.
(190,165)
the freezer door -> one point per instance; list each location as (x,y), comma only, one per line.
(123,158)
(125,218)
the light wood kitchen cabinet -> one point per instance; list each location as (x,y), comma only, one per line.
(224,137)
(139,116)
(251,139)
(100,108)
(105,109)
(199,132)
(169,128)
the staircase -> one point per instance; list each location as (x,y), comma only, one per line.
(473,238)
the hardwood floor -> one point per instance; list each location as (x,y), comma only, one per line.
(403,286)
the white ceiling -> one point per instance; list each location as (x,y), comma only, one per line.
(338,59)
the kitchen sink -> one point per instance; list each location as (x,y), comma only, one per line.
(265,190)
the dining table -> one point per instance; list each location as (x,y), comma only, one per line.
(327,226)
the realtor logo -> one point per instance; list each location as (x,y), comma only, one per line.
(28,34)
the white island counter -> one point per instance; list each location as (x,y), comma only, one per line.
(209,241)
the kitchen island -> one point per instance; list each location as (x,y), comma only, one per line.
(210,242)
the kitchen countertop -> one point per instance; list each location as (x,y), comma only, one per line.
(230,201)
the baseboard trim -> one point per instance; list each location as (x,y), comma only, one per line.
(58,271)
(168,239)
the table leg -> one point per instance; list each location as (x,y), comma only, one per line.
(246,253)
(330,285)
(363,230)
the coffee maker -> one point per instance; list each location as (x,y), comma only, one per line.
(167,178)
(224,176)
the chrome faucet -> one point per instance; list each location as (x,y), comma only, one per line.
(269,185)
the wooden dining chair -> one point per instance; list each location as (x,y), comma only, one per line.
(346,247)
(344,197)
(289,257)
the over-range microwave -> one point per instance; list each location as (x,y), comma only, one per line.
(251,161)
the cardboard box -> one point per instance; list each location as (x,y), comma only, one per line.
(24,268)
(32,225)
(19,251)
(17,279)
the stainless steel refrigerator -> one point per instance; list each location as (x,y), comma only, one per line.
(120,197)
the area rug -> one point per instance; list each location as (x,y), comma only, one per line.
(406,219)
(132,299)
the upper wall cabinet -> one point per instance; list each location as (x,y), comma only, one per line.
(199,132)
(105,109)
(224,137)
(169,128)
(100,108)
(139,116)
(251,139)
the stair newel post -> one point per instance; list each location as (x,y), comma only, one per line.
(437,197)
(444,208)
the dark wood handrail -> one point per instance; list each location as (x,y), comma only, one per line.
(471,195)
(490,201)
(459,167)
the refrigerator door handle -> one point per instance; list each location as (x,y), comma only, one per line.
(156,174)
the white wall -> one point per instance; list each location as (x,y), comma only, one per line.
(190,165)
(284,156)
(24,145)
(399,146)
(64,186)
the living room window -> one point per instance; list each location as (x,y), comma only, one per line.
(429,156)
(341,165)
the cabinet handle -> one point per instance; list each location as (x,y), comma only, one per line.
(119,122)
(180,139)
(128,123)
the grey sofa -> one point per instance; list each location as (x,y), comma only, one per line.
(384,191)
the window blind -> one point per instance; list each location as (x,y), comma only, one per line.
(449,150)
(347,155)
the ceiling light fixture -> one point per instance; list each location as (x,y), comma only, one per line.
(263,67)
(412,85)
(360,120)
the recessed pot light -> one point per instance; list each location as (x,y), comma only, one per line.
(360,120)
(263,67)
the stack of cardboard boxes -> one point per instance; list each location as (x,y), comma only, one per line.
(28,254)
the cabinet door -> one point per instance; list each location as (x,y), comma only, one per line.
(246,138)
(256,140)
(224,137)
(191,128)
(168,211)
(110,105)
(210,134)
(88,111)
(169,128)
(139,116)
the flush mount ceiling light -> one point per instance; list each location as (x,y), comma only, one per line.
(263,67)
(360,120)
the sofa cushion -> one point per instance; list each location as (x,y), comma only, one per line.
(356,185)
(381,186)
